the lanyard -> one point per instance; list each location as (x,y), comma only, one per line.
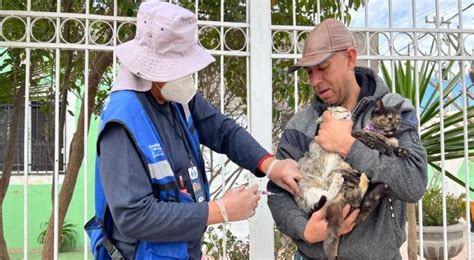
(178,128)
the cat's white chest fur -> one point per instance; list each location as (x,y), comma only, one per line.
(331,160)
(317,167)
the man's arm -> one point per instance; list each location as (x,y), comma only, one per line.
(406,177)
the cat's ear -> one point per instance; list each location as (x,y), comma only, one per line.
(399,106)
(378,104)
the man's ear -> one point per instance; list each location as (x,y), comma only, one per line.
(351,57)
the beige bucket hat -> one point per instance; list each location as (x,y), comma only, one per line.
(165,47)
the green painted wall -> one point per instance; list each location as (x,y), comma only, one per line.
(461,174)
(39,205)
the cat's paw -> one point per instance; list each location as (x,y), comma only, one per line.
(402,152)
(364,183)
(358,134)
(314,196)
(318,205)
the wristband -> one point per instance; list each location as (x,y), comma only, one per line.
(223,212)
(269,171)
(260,162)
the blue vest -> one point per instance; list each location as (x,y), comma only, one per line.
(159,168)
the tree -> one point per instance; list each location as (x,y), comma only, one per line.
(100,70)
(17,86)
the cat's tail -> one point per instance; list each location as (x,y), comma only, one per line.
(334,218)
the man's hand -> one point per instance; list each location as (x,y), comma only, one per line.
(335,135)
(284,173)
(349,219)
(316,229)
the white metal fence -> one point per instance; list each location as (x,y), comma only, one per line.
(251,40)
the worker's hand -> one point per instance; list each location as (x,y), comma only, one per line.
(240,203)
(286,174)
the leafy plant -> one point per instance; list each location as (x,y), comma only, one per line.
(235,247)
(284,246)
(433,211)
(405,79)
(428,98)
(68,236)
(239,249)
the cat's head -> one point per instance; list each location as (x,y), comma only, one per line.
(386,119)
(340,112)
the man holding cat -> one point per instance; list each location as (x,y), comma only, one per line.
(329,58)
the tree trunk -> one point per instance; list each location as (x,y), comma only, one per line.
(412,245)
(99,65)
(62,113)
(64,88)
(10,156)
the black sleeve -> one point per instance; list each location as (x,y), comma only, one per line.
(224,135)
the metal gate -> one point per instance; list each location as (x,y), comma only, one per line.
(253,42)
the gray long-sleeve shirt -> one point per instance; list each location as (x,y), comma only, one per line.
(383,232)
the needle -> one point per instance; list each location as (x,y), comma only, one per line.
(264,192)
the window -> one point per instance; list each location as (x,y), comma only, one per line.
(41,143)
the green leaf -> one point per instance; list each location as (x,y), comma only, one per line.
(405,78)
(451,176)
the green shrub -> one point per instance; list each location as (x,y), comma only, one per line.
(236,248)
(284,246)
(68,236)
(433,211)
(239,249)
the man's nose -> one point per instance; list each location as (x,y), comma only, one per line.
(315,78)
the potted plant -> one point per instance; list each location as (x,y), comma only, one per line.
(67,239)
(433,244)
(420,85)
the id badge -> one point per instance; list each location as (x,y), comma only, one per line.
(197,187)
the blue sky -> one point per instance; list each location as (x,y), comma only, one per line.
(402,11)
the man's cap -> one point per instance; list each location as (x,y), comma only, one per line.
(323,41)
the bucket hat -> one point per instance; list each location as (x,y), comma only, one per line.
(165,47)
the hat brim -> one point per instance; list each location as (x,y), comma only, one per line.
(310,61)
(146,64)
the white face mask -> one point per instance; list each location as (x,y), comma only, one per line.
(180,90)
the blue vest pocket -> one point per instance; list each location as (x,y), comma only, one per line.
(163,251)
(96,236)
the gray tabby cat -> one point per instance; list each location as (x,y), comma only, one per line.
(327,178)
(323,172)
